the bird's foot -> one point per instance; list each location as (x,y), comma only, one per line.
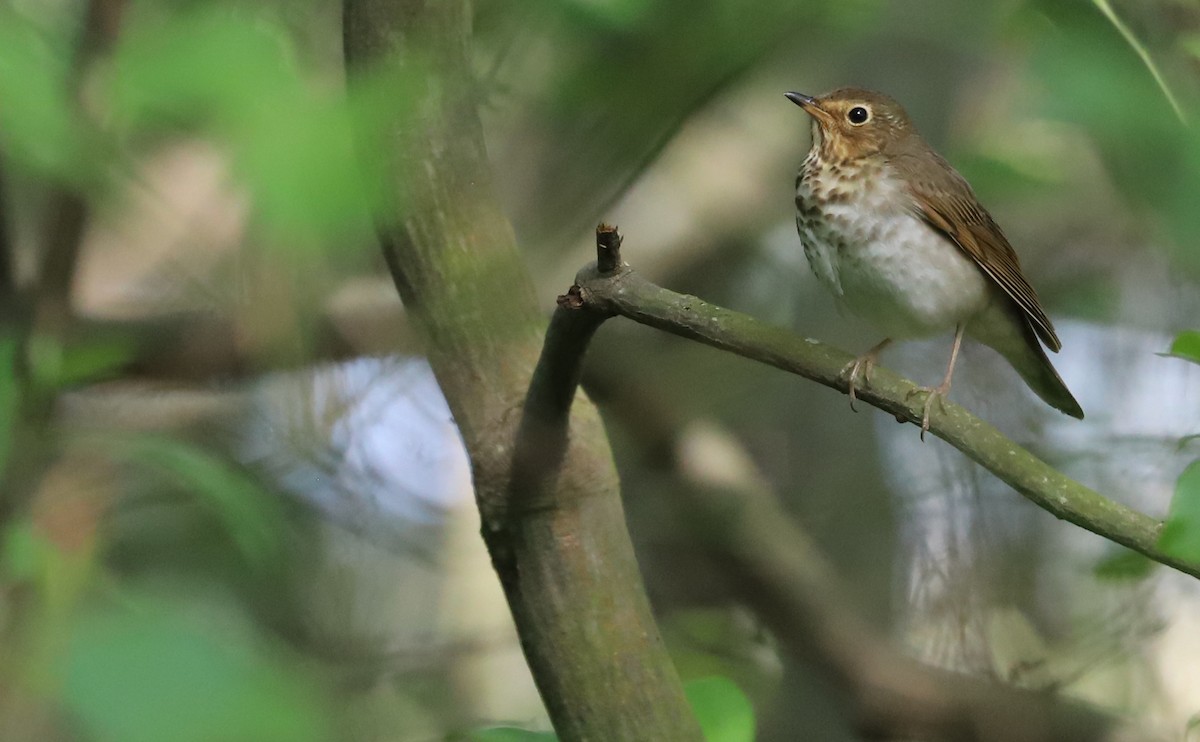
(859,368)
(938,394)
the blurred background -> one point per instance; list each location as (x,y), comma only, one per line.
(234,503)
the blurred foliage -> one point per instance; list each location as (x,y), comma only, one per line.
(39,126)
(1093,77)
(238,78)
(143,672)
(249,514)
(89,361)
(724,712)
(1181,532)
(1124,565)
(10,396)
(209,69)
(511,734)
(720,642)
(615,79)
(127,663)
(1186,346)
(1143,53)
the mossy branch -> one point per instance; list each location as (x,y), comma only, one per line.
(621,291)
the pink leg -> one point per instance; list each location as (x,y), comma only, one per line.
(940,392)
(862,366)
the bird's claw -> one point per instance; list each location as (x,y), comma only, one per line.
(859,367)
(938,393)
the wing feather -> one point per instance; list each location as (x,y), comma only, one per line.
(944,200)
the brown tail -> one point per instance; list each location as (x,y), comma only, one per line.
(1024,351)
(1037,371)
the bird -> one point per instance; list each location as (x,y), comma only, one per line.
(899,237)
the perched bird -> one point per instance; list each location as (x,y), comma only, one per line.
(898,236)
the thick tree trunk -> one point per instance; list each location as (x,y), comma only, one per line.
(557,539)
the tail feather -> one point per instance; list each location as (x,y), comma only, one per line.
(1037,371)
(1025,353)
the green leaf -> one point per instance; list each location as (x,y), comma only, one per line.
(1124,565)
(39,125)
(1181,533)
(201,67)
(55,366)
(145,674)
(94,360)
(1186,346)
(25,551)
(724,712)
(250,515)
(297,158)
(510,734)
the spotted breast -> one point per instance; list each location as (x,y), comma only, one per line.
(882,262)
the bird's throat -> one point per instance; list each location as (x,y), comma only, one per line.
(832,150)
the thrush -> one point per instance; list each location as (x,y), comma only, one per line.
(901,240)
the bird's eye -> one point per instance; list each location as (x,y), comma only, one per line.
(858,115)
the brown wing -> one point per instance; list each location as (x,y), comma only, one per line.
(944,200)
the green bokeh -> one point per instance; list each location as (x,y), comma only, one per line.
(1181,532)
(144,672)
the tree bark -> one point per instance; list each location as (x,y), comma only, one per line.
(557,533)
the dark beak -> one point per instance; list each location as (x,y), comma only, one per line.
(807,102)
(810,106)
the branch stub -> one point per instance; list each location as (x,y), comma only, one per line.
(608,248)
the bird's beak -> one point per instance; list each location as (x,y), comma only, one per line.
(809,104)
(802,100)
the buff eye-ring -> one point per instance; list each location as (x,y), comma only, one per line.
(858,115)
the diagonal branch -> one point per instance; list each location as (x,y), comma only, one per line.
(782,575)
(626,293)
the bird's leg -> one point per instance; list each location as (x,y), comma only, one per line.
(940,392)
(862,366)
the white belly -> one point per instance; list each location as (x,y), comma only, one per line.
(887,266)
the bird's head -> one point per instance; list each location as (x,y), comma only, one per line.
(851,123)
